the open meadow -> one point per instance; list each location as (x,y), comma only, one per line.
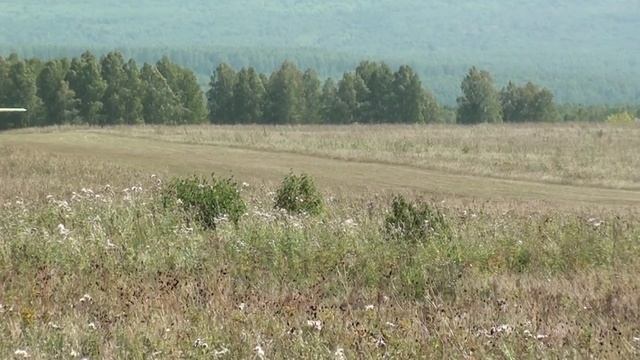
(530,246)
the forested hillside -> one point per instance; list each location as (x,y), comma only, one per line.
(585,51)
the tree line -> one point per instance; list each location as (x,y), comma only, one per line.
(113,90)
(105,91)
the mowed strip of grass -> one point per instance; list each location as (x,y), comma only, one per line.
(346,176)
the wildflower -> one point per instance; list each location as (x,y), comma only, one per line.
(201,344)
(315,324)
(369,307)
(259,352)
(92,326)
(74,353)
(349,223)
(390,324)
(245,185)
(541,337)
(63,231)
(242,306)
(499,330)
(54,326)
(221,352)
(86,298)
(596,223)
(22,353)
(339,354)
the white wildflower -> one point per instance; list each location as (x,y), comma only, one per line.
(110,245)
(339,354)
(390,324)
(21,353)
(74,353)
(92,326)
(201,344)
(63,230)
(349,223)
(259,352)
(242,306)
(315,324)
(369,307)
(245,185)
(596,223)
(499,330)
(541,337)
(86,298)
(54,326)
(222,351)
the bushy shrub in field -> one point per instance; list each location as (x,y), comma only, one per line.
(414,221)
(208,200)
(298,194)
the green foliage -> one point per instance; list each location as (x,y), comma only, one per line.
(85,79)
(220,94)
(160,104)
(285,103)
(479,102)
(298,194)
(415,222)
(248,97)
(208,200)
(527,103)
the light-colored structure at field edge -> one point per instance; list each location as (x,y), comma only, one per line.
(5,110)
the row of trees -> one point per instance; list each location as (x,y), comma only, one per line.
(373,93)
(112,90)
(482,102)
(105,91)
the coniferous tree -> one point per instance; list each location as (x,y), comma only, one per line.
(285,103)
(376,102)
(311,92)
(348,105)
(248,97)
(184,84)
(220,94)
(329,102)
(133,93)
(479,102)
(60,105)
(114,109)
(85,79)
(21,91)
(527,103)
(159,105)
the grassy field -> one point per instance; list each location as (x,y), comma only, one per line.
(534,266)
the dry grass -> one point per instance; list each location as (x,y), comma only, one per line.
(516,279)
(591,154)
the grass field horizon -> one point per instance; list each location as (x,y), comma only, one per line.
(535,255)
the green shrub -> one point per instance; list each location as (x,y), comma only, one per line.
(414,221)
(298,194)
(208,200)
